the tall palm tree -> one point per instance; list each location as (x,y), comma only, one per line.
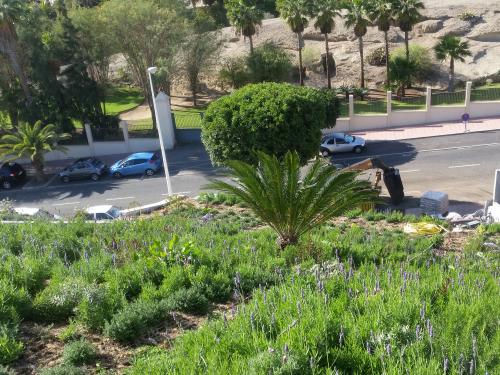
(292,204)
(245,16)
(10,12)
(32,141)
(407,14)
(401,72)
(451,47)
(325,12)
(381,14)
(296,13)
(357,17)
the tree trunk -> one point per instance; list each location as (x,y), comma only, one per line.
(361,55)
(301,71)
(193,90)
(386,38)
(407,46)
(285,240)
(38,166)
(152,109)
(16,67)
(451,77)
(250,38)
(327,48)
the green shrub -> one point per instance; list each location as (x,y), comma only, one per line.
(269,63)
(10,347)
(234,72)
(5,370)
(14,303)
(98,306)
(57,302)
(70,333)
(189,300)
(269,117)
(175,279)
(134,319)
(62,370)
(79,353)
(215,286)
(421,58)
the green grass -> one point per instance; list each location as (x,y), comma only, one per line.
(122,99)
(184,119)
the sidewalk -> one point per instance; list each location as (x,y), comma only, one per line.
(430,130)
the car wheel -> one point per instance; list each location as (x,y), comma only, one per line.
(6,185)
(117,175)
(149,172)
(325,153)
(357,150)
(94,177)
(65,179)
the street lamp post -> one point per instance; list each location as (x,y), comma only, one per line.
(152,70)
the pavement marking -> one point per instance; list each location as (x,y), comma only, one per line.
(119,199)
(463,166)
(66,204)
(179,192)
(410,171)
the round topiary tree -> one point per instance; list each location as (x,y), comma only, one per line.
(269,117)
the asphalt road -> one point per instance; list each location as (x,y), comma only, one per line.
(461,165)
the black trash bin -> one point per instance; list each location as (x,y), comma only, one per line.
(392,180)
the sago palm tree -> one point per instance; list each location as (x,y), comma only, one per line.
(325,12)
(401,72)
(290,203)
(245,16)
(296,13)
(357,17)
(407,14)
(10,12)
(450,47)
(32,141)
(381,15)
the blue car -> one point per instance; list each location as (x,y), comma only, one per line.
(147,163)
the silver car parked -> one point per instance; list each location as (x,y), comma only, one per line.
(341,142)
(83,168)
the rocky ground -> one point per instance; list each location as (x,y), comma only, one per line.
(440,18)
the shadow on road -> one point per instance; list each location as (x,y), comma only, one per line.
(392,153)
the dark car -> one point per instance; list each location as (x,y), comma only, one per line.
(83,168)
(12,174)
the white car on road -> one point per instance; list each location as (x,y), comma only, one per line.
(103,212)
(341,142)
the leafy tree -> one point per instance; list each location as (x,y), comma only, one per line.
(357,17)
(325,12)
(421,57)
(452,48)
(407,14)
(401,72)
(148,33)
(270,117)
(32,141)
(245,16)
(292,204)
(295,13)
(10,12)
(269,63)
(198,55)
(381,14)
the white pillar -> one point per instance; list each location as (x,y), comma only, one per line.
(90,139)
(468,90)
(496,187)
(351,107)
(389,108)
(124,127)
(428,99)
(165,126)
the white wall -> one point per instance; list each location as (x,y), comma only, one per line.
(484,109)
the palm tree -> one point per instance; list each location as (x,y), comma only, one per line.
(401,72)
(325,12)
(381,14)
(32,141)
(292,204)
(407,14)
(10,12)
(295,13)
(357,17)
(245,17)
(450,47)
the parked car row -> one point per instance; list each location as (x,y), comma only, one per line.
(141,163)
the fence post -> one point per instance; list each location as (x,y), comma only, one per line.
(428,99)
(124,127)
(90,139)
(389,107)
(351,106)
(468,90)
(174,123)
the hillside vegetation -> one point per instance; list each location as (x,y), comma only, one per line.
(355,296)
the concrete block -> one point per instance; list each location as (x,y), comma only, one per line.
(496,187)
